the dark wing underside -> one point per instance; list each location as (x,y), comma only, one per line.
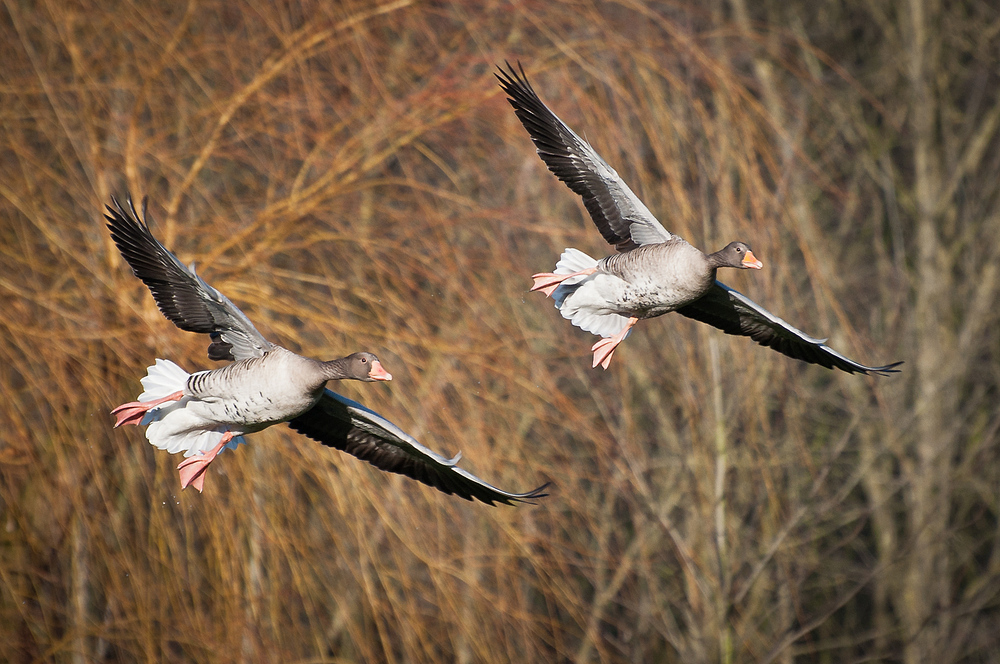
(339,422)
(620,216)
(734,313)
(182,296)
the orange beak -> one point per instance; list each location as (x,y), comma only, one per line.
(378,373)
(751,261)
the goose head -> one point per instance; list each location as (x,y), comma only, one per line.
(357,366)
(735,254)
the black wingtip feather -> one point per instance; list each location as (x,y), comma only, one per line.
(883,371)
(735,314)
(152,265)
(180,294)
(567,156)
(331,424)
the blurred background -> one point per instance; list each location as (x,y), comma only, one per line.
(351,176)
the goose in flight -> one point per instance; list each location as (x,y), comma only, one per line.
(203,413)
(654,271)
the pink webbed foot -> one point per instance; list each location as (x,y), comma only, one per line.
(603,351)
(192,470)
(605,348)
(133,411)
(548,282)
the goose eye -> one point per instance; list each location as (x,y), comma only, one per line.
(364,360)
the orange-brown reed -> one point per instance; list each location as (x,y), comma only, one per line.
(350,175)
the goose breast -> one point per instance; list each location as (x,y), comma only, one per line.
(659,278)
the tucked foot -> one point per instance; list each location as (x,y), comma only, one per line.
(192,470)
(605,348)
(548,282)
(133,411)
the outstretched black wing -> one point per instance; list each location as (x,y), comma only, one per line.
(622,218)
(348,426)
(735,313)
(184,298)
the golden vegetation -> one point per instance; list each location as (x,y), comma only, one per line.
(350,175)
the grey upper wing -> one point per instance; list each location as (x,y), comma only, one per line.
(348,426)
(734,313)
(182,296)
(622,218)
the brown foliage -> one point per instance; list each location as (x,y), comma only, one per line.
(350,175)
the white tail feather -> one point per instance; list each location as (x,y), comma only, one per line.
(161,379)
(575,301)
(173,427)
(574,260)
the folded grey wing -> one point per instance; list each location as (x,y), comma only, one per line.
(734,313)
(181,295)
(620,216)
(339,422)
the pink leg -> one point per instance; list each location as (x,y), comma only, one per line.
(132,412)
(605,348)
(192,470)
(547,282)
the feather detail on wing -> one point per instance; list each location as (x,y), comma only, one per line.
(620,216)
(734,313)
(182,296)
(339,422)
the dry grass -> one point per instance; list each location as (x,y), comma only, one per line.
(351,176)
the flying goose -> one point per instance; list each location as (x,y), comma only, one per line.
(203,413)
(655,271)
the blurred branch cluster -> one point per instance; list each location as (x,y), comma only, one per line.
(350,175)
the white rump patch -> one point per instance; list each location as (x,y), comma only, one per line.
(577,298)
(172,426)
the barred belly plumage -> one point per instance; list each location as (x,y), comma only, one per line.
(242,395)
